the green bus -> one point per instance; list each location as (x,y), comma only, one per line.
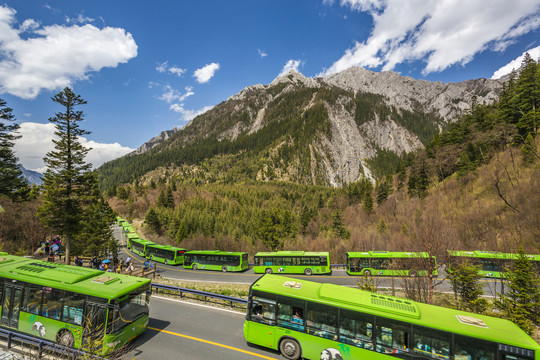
(312,320)
(387,263)
(120,221)
(75,306)
(292,262)
(493,263)
(167,254)
(216,260)
(138,246)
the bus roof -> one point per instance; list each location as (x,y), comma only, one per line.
(386,254)
(78,279)
(166,247)
(142,241)
(489,328)
(213,252)
(291,253)
(491,255)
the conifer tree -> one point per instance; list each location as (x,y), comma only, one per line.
(152,220)
(67,180)
(12,183)
(528,150)
(521,303)
(527,96)
(95,236)
(465,280)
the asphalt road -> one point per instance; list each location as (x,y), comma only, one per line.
(189,331)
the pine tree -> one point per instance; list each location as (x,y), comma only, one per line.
(152,220)
(528,150)
(527,96)
(96,237)
(12,183)
(522,301)
(465,280)
(67,179)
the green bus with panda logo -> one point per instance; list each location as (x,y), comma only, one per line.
(75,306)
(312,320)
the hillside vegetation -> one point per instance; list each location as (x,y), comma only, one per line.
(322,131)
(474,186)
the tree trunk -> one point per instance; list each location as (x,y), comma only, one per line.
(66,251)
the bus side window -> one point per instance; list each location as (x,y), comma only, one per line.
(322,320)
(356,329)
(263,311)
(291,313)
(32,300)
(391,336)
(431,342)
(52,303)
(473,349)
(73,308)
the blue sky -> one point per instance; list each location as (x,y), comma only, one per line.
(148,66)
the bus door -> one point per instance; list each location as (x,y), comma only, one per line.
(94,322)
(11,305)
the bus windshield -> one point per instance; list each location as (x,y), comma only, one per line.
(131,307)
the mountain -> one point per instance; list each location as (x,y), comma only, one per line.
(33,177)
(156,140)
(327,131)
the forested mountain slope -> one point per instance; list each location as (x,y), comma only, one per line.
(474,186)
(325,131)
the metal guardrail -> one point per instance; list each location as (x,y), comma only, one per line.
(205,294)
(42,345)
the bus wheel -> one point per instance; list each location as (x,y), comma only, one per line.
(65,338)
(268,271)
(290,349)
(367,272)
(165,262)
(224,268)
(412,273)
(194,267)
(308,272)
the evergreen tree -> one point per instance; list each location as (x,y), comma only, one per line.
(67,180)
(95,236)
(528,150)
(122,193)
(169,199)
(368,201)
(527,96)
(272,229)
(521,303)
(152,220)
(162,199)
(12,183)
(465,280)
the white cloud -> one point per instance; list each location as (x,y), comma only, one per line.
(170,95)
(177,71)
(290,65)
(441,33)
(188,114)
(204,74)
(163,67)
(516,63)
(55,56)
(80,19)
(262,53)
(36,141)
